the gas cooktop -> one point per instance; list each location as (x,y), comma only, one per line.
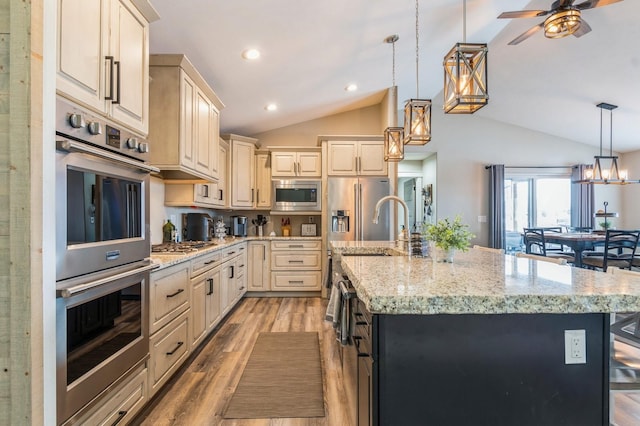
(180,248)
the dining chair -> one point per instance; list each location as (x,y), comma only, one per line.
(556,260)
(535,243)
(489,249)
(619,251)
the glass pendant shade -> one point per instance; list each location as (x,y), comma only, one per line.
(465,78)
(417,121)
(393,144)
(562,23)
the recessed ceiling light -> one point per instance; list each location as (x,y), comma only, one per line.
(271,107)
(351,87)
(251,54)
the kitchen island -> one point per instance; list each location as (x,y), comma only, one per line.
(482,340)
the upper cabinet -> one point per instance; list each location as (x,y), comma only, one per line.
(296,163)
(184,120)
(263,181)
(242,170)
(103,58)
(356,157)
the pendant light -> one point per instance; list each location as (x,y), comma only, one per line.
(417,112)
(605,169)
(465,74)
(393,136)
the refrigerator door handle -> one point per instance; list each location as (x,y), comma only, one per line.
(360,213)
(356,208)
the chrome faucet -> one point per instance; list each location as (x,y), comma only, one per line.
(376,216)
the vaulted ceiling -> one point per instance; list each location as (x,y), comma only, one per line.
(310,51)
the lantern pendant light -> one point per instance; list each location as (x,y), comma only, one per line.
(417,112)
(465,74)
(393,136)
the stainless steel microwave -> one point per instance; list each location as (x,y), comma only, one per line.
(297,195)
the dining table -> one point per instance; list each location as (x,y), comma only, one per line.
(577,241)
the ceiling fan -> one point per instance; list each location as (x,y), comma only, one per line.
(564,19)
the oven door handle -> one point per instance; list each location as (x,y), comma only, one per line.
(73,146)
(70,291)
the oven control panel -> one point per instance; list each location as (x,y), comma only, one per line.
(79,124)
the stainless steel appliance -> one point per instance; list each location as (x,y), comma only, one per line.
(239,226)
(351,202)
(102,257)
(102,199)
(197,227)
(297,195)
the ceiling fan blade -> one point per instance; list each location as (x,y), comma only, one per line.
(523,14)
(584,28)
(561,3)
(525,35)
(590,4)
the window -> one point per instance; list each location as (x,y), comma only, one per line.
(536,200)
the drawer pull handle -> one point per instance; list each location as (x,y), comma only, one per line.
(121,415)
(241,266)
(230,253)
(363,355)
(357,337)
(362,323)
(296,246)
(210,262)
(210,281)
(296,261)
(179,345)
(358,314)
(296,282)
(180,290)
(242,288)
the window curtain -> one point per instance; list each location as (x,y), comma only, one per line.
(497,234)
(582,199)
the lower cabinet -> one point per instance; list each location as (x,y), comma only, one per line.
(168,348)
(123,403)
(205,304)
(258,278)
(296,265)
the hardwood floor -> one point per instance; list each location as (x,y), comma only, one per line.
(199,393)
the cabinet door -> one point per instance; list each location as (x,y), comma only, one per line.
(258,279)
(130,48)
(198,308)
(212,293)
(187,121)
(206,134)
(242,191)
(342,158)
(226,281)
(309,164)
(263,181)
(371,158)
(220,195)
(82,47)
(283,164)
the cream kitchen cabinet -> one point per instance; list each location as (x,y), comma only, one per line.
(184,120)
(296,164)
(296,265)
(259,257)
(242,170)
(232,277)
(205,295)
(185,193)
(103,58)
(263,181)
(356,158)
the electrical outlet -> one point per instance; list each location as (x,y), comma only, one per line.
(575,347)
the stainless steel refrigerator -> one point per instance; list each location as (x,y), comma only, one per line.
(351,203)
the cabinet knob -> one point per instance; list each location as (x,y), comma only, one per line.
(143,147)
(132,143)
(95,128)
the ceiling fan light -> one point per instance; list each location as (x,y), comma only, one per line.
(417,122)
(562,23)
(465,78)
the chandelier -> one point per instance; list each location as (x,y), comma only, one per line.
(465,74)
(393,136)
(605,169)
(417,112)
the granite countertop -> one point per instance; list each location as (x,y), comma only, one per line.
(480,282)
(167,260)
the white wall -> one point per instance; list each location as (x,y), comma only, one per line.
(629,212)
(465,144)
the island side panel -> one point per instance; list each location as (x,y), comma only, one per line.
(490,370)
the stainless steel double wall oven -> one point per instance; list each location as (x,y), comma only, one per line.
(102,256)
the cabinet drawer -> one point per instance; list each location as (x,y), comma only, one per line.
(295,260)
(123,403)
(168,349)
(170,291)
(295,281)
(204,263)
(296,245)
